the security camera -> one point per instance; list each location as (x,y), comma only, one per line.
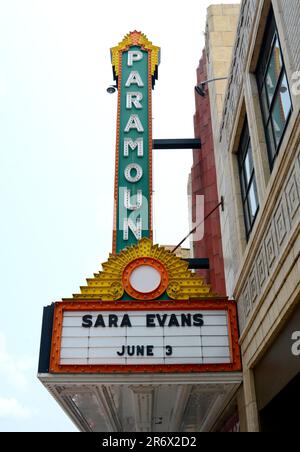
(200,89)
(112,89)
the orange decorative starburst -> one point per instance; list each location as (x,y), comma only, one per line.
(135,38)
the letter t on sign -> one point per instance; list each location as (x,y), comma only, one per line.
(135,64)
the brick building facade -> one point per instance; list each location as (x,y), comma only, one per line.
(204,182)
(255,118)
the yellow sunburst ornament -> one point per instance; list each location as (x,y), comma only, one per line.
(145,272)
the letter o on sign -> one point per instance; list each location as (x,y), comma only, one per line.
(138,173)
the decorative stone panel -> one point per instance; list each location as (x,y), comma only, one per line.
(261,265)
(292,194)
(253,286)
(281,221)
(277,233)
(247,301)
(271,246)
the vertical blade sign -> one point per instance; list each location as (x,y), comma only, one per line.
(135,63)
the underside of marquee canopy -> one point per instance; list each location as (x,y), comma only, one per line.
(143,403)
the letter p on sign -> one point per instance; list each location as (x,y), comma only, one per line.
(134,55)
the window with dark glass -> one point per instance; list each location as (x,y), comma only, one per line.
(274,90)
(248,181)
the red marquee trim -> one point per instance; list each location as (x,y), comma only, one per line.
(213,305)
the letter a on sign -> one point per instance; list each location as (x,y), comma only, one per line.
(135,65)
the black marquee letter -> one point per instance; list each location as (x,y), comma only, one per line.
(186,320)
(198,320)
(99,321)
(173,321)
(113,320)
(87,321)
(126,321)
(150,320)
(150,350)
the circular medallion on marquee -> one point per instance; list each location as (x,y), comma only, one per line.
(145,278)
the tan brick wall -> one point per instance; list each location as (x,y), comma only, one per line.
(221,28)
(220,34)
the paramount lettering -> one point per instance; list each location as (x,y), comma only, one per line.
(134,149)
(135,202)
(134,99)
(134,79)
(135,55)
(134,123)
(138,143)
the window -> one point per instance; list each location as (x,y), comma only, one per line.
(274,90)
(248,181)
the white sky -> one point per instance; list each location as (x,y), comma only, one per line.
(57,144)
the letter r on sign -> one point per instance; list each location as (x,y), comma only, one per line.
(134,99)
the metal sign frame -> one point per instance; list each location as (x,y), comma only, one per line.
(207,305)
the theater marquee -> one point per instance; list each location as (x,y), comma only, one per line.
(134,348)
(96,338)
